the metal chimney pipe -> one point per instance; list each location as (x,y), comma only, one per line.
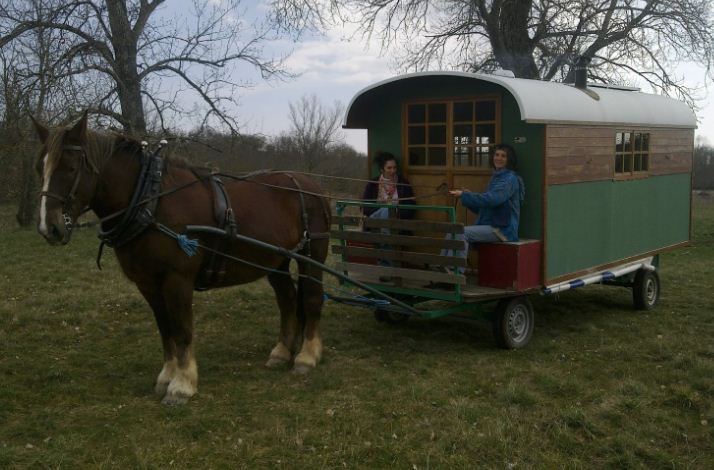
(581,71)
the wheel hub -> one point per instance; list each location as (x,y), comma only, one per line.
(651,291)
(518,323)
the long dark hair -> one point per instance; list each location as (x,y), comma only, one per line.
(511,158)
(381,159)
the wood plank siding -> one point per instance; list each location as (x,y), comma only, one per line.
(587,153)
(671,151)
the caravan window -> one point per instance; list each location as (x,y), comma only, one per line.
(456,134)
(631,154)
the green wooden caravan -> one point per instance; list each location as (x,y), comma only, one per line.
(607,169)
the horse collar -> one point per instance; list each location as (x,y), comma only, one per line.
(142,209)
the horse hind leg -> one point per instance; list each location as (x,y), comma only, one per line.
(310,295)
(286,296)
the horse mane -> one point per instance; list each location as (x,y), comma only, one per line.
(119,142)
(100,146)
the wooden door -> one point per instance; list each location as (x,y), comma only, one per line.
(448,142)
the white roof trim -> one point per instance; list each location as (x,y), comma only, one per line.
(551,102)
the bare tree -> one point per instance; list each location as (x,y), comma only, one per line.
(314,127)
(143,60)
(540,38)
(28,85)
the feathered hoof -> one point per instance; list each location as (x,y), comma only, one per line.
(160,388)
(302,368)
(174,400)
(275,362)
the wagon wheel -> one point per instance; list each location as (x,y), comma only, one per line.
(645,289)
(387,316)
(513,324)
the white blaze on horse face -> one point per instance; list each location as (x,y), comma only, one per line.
(46,175)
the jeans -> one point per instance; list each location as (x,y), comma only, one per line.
(472,234)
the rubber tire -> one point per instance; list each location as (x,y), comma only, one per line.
(392,318)
(646,289)
(514,322)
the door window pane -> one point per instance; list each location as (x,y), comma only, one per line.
(416,113)
(486,110)
(464,111)
(481,156)
(417,135)
(437,156)
(462,134)
(463,156)
(437,134)
(486,133)
(437,112)
(417,156)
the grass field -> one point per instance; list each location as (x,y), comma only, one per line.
(599,386)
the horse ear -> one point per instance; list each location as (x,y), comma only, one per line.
(42,132)
(79,130)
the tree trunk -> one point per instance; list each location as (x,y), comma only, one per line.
(508,33)
(27,196)
(124,43)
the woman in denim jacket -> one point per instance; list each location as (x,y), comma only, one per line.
(499,207)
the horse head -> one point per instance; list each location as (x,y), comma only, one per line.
(68,179)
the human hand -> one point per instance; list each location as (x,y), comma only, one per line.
(456,192)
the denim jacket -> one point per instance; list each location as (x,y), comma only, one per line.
(500,205)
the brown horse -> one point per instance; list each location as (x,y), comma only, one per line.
(82,169)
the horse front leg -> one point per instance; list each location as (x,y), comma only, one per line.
(155,299)
(181,370)
(310,295)
(285,295)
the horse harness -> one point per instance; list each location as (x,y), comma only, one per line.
(214,268)
(141,213)
(142,208)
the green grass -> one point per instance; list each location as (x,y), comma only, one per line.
(599,386)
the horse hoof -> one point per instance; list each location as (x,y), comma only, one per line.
(173,400)
(302,369)
(275,362)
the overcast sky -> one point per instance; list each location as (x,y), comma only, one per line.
(335,68)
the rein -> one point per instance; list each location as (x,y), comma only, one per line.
(439,191)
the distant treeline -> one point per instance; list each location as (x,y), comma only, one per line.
(231,154)
(254,152)
(703,167)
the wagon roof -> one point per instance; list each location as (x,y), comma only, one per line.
(548,102)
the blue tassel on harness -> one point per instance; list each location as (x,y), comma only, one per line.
(189,246)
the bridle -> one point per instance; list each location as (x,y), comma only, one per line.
(69,199)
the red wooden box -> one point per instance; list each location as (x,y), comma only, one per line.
(511,265)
